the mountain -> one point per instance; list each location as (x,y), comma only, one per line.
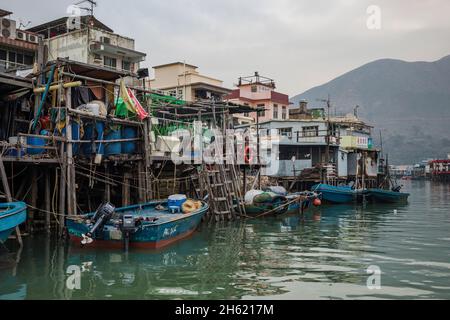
(408,101)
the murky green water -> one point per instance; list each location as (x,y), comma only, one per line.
(324,256)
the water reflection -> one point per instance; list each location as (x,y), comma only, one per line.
(323,254)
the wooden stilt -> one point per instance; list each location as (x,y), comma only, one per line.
(8,195)
(141,183)
(34,196)
(126,189)
(107,185)
(47,201)
(62,195)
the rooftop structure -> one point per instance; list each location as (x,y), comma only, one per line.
(184,81)
(259,92)
(91,42)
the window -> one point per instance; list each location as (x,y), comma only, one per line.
(300,153)
(312,131)
(284,113)
(126,65)
(12,56)
(275,111)
(263,112)
(254,88)
(285,132)
(20,58)
(28,60)
(110,62)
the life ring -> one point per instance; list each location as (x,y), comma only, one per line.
(248,156)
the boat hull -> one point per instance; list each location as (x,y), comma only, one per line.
(386,196)
(148,236)
(254,210)
(12,215)
(334,194)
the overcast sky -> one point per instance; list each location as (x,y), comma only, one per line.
(300,44)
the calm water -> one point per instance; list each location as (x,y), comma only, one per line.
(323,256)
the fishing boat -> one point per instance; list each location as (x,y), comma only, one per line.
(151,225)
(301,201)
(11,215)
(386,196)
(335,194)
(259,202)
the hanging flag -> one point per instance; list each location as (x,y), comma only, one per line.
(126,98)
(142,114)
(132,104)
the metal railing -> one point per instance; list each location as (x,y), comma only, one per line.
(9,66)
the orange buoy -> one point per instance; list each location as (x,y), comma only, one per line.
(317,202)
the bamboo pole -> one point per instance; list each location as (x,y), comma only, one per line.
(57,86)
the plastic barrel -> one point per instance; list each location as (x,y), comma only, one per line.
(115,147)
(75,136)
(91,134)
(129,133)
(13,151)
(36,142)
(100,128)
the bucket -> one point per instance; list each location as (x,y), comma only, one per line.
(115,147)
(175,202)
(129,133)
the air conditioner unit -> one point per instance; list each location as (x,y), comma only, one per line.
(7,28)
(105,40)
(33,38)
(20,35)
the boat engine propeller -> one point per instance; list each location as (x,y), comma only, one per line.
(100,218)
(128,228)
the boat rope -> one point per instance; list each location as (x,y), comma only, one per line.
(273,210)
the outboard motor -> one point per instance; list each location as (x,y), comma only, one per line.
(128,228)
(100,218)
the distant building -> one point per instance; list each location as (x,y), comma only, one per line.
(18,48)
(92,43)
(185,82)
(259,92)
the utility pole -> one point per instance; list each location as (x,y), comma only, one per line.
(327,151)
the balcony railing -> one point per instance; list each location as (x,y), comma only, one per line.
(9,66)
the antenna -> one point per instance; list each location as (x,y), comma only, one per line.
(23,26)
(91,9)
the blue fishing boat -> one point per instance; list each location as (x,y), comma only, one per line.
(304,201)
(335,194)
(152,225)
(11,215)
(386,196)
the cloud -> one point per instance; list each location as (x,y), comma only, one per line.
(298,43)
